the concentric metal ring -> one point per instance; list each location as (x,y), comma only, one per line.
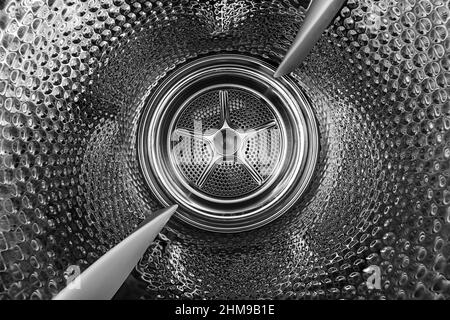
(234,147)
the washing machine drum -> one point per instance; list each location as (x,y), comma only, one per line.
(330,182)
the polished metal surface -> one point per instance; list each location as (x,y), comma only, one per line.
(318,17)
(234,147)
(234,156)
(77,78)
(105,276)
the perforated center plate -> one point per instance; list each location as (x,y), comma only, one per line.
(241,137)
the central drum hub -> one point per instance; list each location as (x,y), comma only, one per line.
(232,146)
(227,142)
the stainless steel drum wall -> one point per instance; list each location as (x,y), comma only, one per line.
(74,78)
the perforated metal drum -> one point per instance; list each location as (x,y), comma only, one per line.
(230,144)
